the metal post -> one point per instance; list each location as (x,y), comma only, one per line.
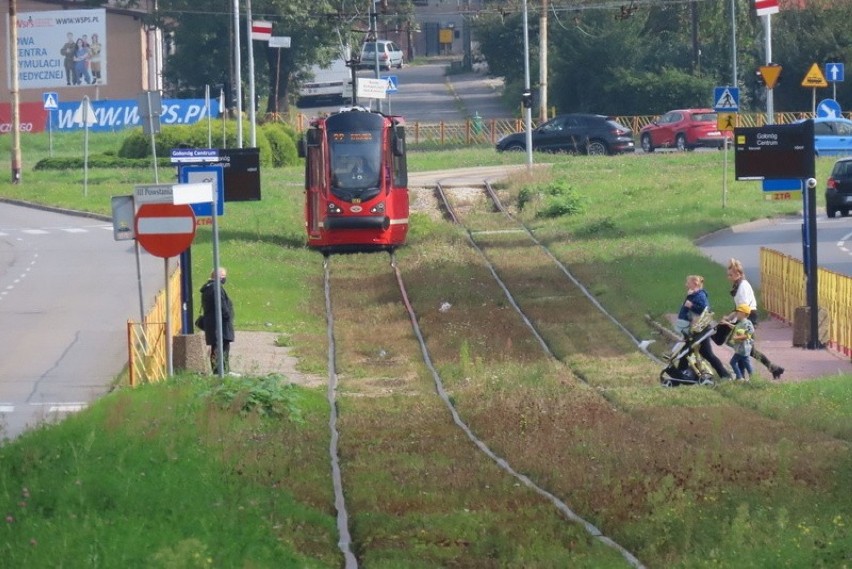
(170,370)
(16,95)
(238,73)
(85,114)
(812,268)
(209,119)
(770,101)
(734,41)
(542,64)
(252,110)
(217,287)
(527,110)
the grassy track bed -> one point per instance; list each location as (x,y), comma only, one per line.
(419,493)
(613,463)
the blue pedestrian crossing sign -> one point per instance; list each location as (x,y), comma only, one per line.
(834,72)
(393,81)
(726,99)
(51,101)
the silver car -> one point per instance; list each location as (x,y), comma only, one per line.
(389,55)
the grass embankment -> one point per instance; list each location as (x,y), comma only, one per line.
(171,476)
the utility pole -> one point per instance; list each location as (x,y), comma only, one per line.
(250,41)
(527,109)
(542,64)
(238,74)
(16,95)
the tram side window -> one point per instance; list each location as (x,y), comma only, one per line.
(400,163)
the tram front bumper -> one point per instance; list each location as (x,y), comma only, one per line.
(360,222)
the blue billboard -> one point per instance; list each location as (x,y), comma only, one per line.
(124,113)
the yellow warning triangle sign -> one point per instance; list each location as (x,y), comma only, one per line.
(770,75)
(814,78)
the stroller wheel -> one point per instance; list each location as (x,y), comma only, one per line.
(668,383)
(707,381)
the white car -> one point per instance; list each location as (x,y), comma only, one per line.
(389,55)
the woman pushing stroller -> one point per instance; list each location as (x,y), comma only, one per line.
(695,307)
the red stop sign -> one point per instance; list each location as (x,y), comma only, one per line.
(165,230)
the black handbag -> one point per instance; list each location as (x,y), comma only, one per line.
(199,322)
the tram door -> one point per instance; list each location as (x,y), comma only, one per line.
(315,184)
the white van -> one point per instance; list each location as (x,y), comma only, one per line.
(333,82)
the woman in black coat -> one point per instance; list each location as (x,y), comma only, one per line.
(208,307)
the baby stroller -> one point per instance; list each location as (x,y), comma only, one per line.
(685,364)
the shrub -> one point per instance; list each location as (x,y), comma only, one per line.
(282,144)
(98,161)
(553,199)
(138,145)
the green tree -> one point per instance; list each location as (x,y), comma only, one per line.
(202,32)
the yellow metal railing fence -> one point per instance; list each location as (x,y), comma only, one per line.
(782,280)
(146,340)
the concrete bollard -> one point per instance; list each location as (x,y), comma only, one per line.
(190,353)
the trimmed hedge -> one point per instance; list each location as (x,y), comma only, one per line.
(98,161)
(275,150)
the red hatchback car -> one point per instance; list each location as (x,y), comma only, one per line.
(684,129)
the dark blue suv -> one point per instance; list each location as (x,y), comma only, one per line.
(575,133)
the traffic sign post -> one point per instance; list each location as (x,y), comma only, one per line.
(165,230)
(726,104)
(834,72)
(814,79)
(51,103)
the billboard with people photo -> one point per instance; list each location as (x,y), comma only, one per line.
(61,48)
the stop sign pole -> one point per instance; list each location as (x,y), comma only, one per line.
(164,226)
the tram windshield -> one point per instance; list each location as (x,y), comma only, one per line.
(355,152)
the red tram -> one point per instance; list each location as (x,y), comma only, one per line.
(356,182)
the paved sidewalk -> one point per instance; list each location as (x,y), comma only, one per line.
(775,339)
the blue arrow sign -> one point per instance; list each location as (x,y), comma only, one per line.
(834,72)
(726,99)
(828,108)
(393,81)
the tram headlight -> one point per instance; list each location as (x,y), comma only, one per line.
(334,209)
(378,208)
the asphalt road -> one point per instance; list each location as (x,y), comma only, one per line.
(426,94)
(67,289)
(834,249)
